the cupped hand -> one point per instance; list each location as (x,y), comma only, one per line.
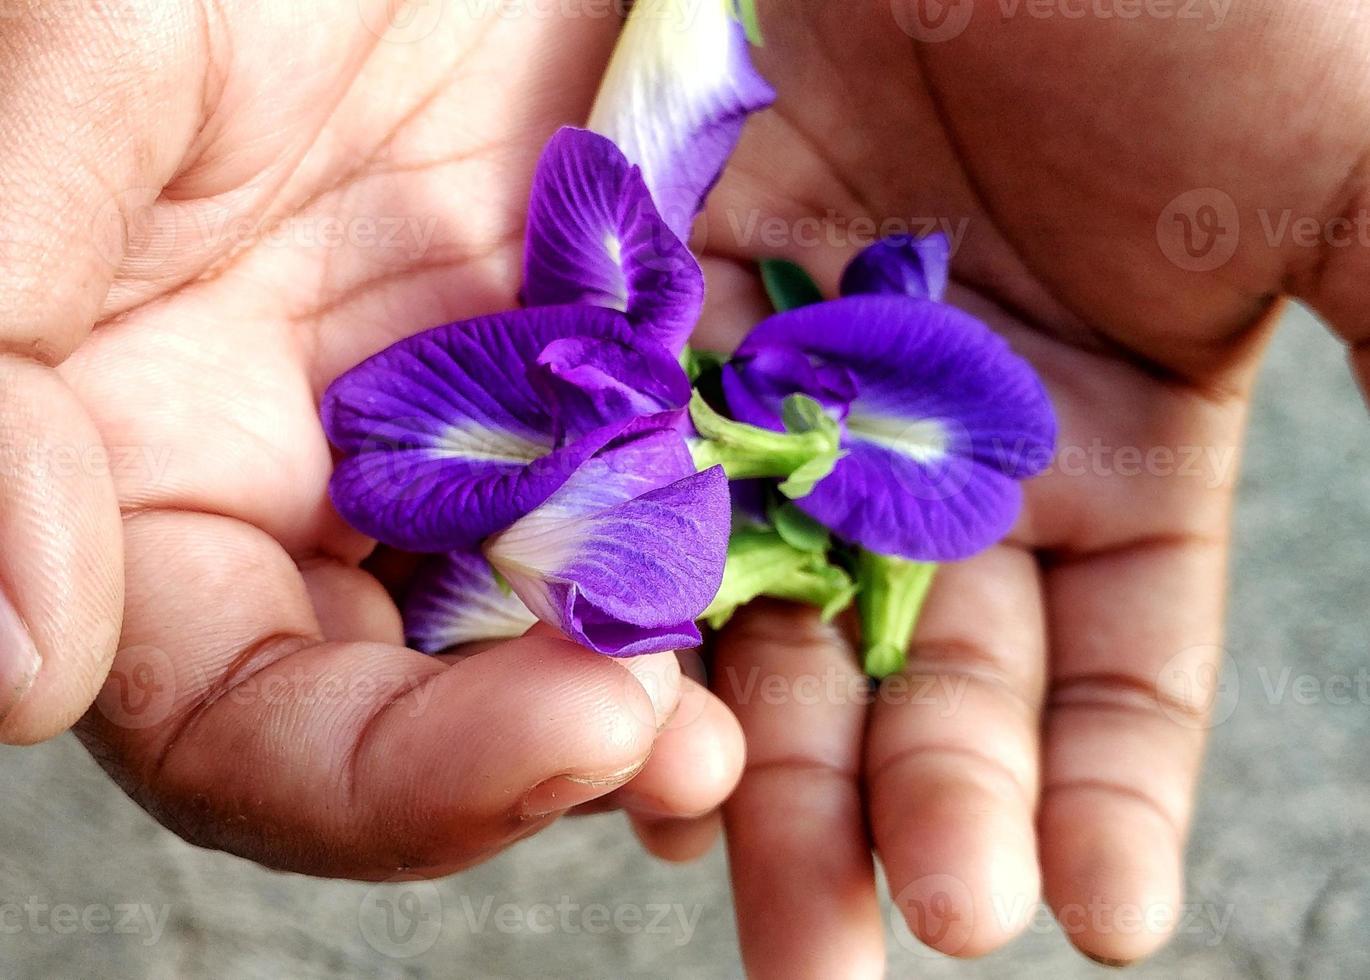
(212,211)
(1121,194)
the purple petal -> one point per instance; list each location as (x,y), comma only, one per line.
(772,373)
(455,599)
(674,98)
(445,439)
(901,265)
(590,384)
(627,553)
(594,236)
(892,505)
(946,420)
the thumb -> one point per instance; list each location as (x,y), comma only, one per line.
(93,99)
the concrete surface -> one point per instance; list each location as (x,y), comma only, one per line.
(1279,867)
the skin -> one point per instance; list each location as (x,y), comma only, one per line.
(186,311)
(1050,733)
(187,306)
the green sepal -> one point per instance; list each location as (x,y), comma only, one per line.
(700,362)
(801,456)
(890,596)
(788,285)
(799,530)
(762,563)
(744,11)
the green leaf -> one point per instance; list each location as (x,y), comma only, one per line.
(788,285)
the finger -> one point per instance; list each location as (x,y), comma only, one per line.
(77,112)
(656,674)
(1135,634)
(61,581)
(734,302)
(695,764)
(678,841)
(952,757)
(231,719)
(797,845)
(350,605)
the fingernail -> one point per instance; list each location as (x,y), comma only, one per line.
(653,807)
(660,677)
(19,660)
(563,792)
(1106,961)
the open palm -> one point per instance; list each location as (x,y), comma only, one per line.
(269,194)
(283,190)
(1114,189)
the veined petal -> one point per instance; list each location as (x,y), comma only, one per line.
(900,265)
(674,98)
(942,510)
(946,420)
(445,439)
(627,553)
(595,236)
(590,383)
(771,373)
(456,599)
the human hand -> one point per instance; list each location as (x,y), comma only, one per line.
(1049,728)
(244,201)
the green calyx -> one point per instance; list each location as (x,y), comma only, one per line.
(800,456)
(761,562)
(698,363)
(744,12)
(890,596)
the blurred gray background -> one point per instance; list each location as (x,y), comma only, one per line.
(1279,882)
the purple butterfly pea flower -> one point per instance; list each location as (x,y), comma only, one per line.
(902,265)
(546,441)
(940,419)
(675,96)
(547,444)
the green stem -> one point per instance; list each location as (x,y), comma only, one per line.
(801,456)
(890,598)
(761,562)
